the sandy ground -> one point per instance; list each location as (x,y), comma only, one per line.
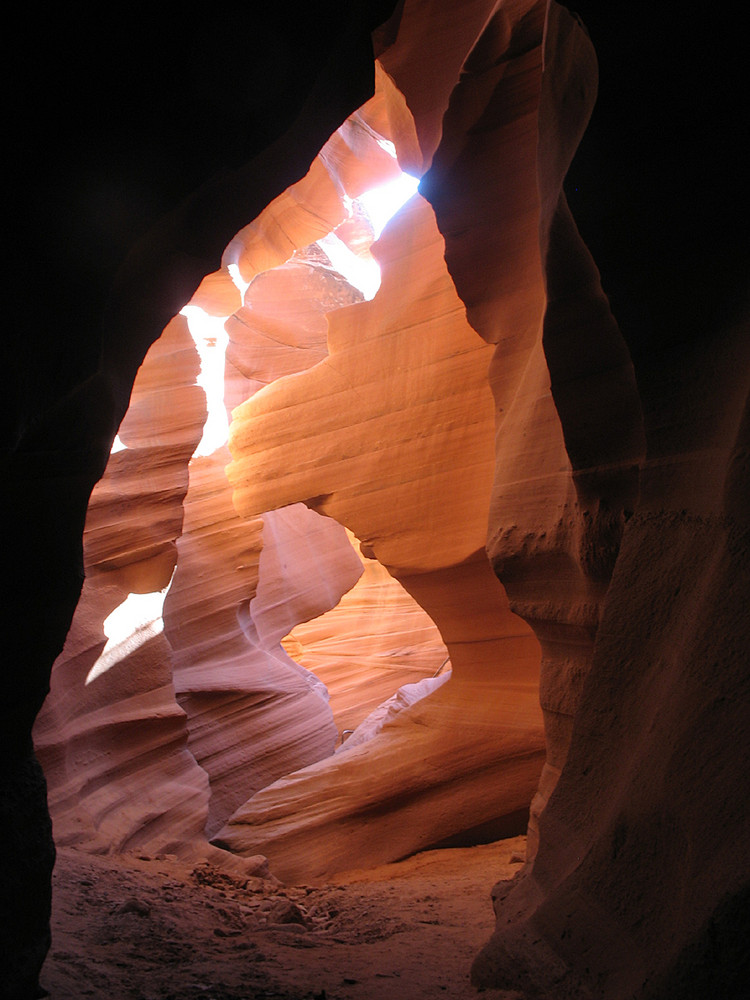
(159,929)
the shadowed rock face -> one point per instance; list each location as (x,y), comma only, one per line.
(126,189)
(648,783)
(538,426)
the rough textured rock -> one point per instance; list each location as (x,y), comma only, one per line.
(623,873)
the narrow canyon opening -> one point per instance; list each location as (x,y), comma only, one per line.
(536,426)
(264,634)
(375,641)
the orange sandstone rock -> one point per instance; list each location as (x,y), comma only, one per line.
(404,456)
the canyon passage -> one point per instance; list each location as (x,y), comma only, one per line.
(317,580)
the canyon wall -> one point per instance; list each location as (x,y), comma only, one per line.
(132,172)
(536,432)
(638,888)
(377,413)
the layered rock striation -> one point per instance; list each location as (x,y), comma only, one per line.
(111,738)
(350,388)
(627,852)
(127,187)
(396,431)
(537,428)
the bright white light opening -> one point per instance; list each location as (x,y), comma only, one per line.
(388,146)
(237,279)
(129,626)
(211,340)
(361,271)
(381,204)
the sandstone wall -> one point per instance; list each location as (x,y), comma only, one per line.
(386,405)
(110,240)
(393,435)
(542,435)
(637,889)
(111,738)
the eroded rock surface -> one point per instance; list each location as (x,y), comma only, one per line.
(111,737)
(617,867)
(404,390)
(541,434)
(350,388)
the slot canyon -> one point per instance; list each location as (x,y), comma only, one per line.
(334,547)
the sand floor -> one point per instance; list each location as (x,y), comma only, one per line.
(160,929)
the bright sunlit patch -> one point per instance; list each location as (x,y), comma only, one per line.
(132,623)
(117,445)
(360,271)
(211,340)
(388,146)
(383,202)
(237,280)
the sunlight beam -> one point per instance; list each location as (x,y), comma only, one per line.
(132,623)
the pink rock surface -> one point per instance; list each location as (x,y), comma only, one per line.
(253,713)
(111,736)
(375,640)
(352,388)
(423,779)
(541,436)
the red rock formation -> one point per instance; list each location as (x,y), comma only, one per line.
(419,407)
(575,460)
(373,642)
(557,505)
(253,715)
(126,188)
(424,778)
(627,897)
(111,738)
(576,403)
(240,586)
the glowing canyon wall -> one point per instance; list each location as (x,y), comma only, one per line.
(533,432)
(378,414)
